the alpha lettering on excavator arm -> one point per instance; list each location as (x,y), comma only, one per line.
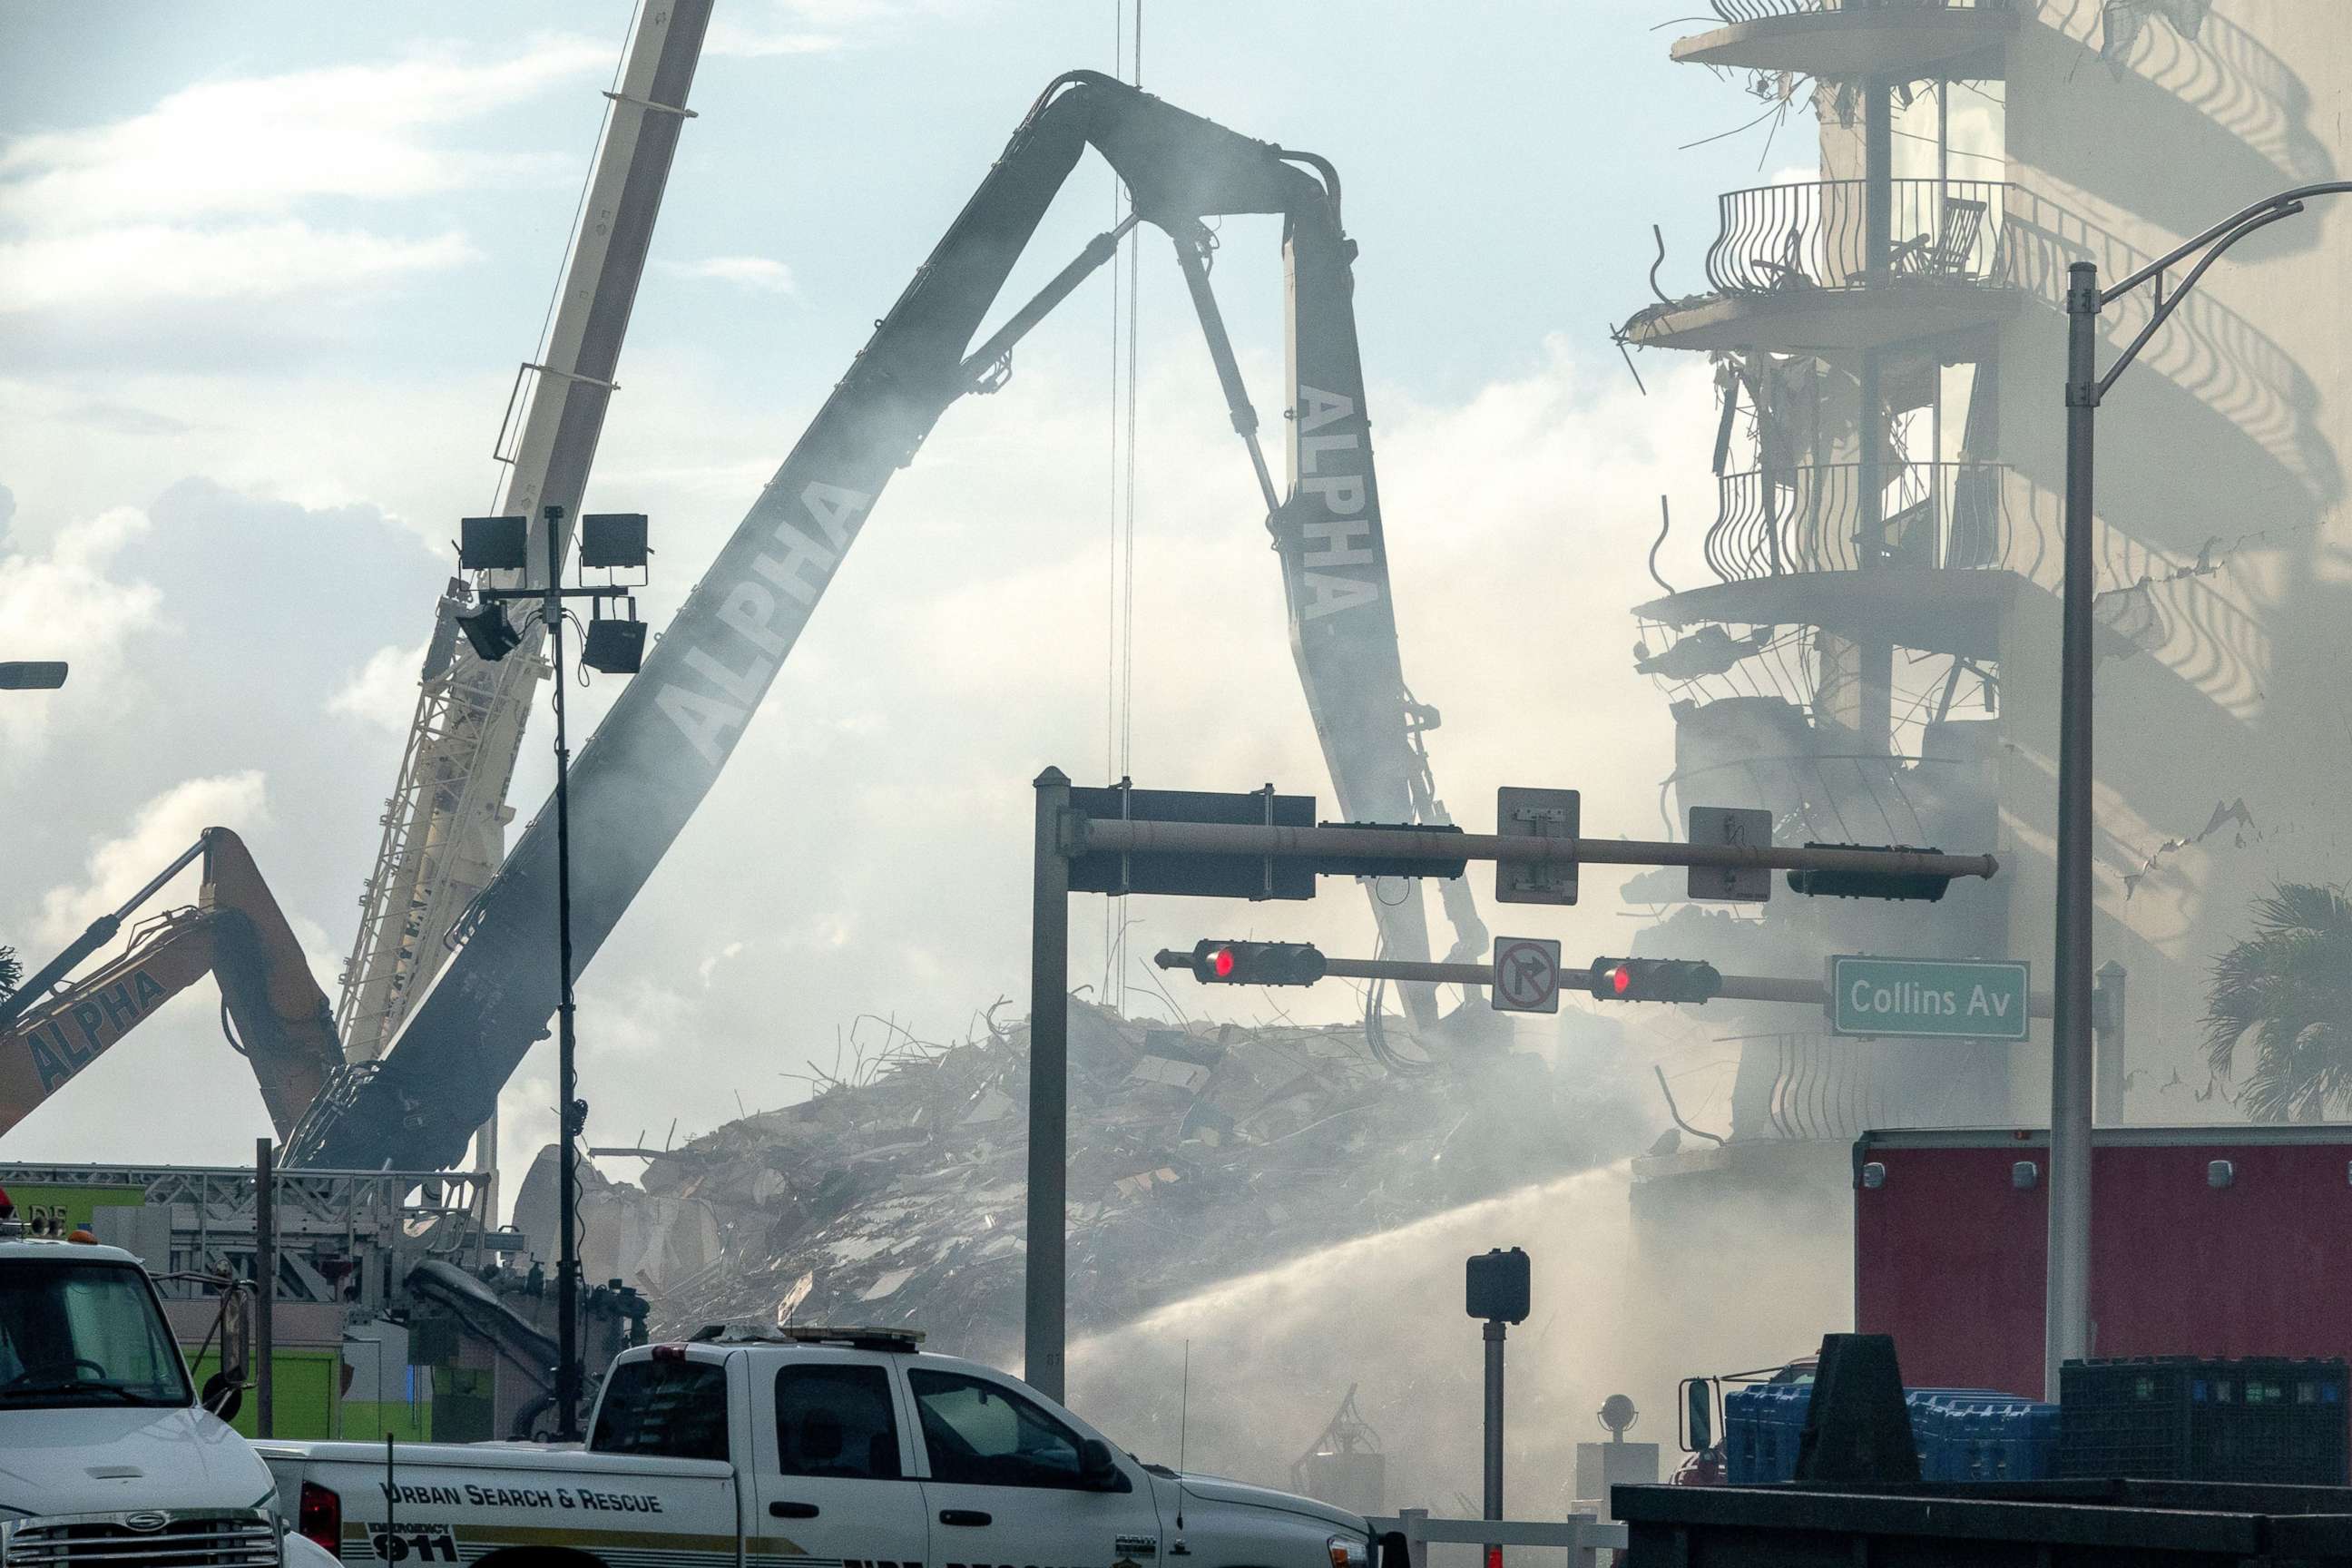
(750,608)
(101,1021)
(1345,539)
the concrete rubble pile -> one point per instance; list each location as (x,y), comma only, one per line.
(1196,1153)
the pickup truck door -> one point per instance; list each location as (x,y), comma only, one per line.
(1003,1485)
(831,1475)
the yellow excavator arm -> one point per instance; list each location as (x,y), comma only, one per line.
(271,1005)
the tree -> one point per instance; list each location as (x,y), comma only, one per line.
(12,974)
(2286,993)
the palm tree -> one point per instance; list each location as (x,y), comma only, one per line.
(11,971)
(2287,990)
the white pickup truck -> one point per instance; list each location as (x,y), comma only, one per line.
(106,1456)
(825,1450)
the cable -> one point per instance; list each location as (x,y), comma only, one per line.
(1112,921)
(1118,717)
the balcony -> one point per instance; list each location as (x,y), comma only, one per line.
(1935,515)
(1931,566)
(1809,268)
(1900,38)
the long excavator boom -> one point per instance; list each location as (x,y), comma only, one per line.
(659,750)
(50,1029)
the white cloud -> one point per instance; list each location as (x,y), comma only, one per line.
(200,197)
(261,144)
(165,827)
(727,39)
(383,692)
(246,261)
(758,273)
(64,605)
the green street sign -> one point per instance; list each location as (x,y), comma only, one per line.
(1926,999)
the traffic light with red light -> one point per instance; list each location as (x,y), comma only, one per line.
(1254,963)
(1655,980)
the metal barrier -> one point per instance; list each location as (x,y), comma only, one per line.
(1817,234)
(1810,517)
(1581,1535)
(1758,10)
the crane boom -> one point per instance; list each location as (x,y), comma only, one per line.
(635,784)
(235,933)
(445,824)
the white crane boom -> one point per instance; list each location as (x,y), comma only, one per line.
(445,825)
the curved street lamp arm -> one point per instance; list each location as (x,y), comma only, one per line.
(2165,306)
(2284,200)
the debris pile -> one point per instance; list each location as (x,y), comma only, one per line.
(896,1195)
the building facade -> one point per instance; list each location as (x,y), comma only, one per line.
(1876,659)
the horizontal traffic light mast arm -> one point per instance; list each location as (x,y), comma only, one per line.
(1405,848)
(1735,987)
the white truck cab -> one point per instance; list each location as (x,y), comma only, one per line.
(105,1454)
(828,1448)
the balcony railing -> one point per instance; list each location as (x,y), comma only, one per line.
(1775,521)
(1818,235)
(1758,10)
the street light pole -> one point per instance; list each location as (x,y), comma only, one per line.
(2066,1306)
(567,1086)
(615,646)
(2067,1312)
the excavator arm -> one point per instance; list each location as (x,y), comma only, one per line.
(276,1013)
(634,784)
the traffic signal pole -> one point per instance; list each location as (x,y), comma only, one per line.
(1044,1323)
(1138,846)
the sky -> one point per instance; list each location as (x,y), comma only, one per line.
(265,273)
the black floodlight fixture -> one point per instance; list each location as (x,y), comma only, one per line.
(492,545)
(612,539)
(615,646)
(486,627)
(31,675)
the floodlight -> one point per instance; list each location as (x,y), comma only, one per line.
(616,648)
(492,543)
(486,627)
(616,538)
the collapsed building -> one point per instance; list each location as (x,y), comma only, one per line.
(1873,655)
(1199,1151)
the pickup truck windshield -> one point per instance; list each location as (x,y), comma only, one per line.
(76,1334)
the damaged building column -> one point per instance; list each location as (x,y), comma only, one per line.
(1875,673)
(1044,1327)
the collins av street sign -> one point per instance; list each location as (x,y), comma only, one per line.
(1925,998)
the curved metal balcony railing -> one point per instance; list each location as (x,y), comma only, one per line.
(1774,521)
(1818,235)
(1759,10)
